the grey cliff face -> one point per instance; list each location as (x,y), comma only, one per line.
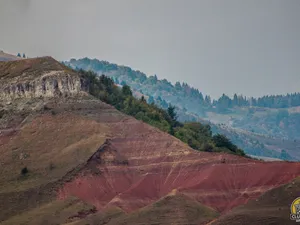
(50,84)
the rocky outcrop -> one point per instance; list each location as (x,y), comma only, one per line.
(52,84)
(38,82)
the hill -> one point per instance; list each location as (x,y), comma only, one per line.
(67,156)
(271,117)
(8,57)
(175,208)
(196,135)
(273,207)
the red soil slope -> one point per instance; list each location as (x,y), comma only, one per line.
(273,207)
(144,164)
(136,166)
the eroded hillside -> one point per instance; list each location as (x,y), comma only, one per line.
(88,163)
(246,119)
(273,207)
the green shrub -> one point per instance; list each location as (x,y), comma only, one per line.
(207,147)
(24,171)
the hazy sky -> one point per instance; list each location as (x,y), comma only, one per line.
(250,47)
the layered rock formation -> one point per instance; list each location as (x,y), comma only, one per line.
(35,79)
(146,164)
(122,167)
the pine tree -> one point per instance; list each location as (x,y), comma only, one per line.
(207,100)
(201,99)
(177,85)
(172,113)
(143,99)
(235,100)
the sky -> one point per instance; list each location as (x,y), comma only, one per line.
(249,47)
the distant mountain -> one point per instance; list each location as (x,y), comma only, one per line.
(255,124)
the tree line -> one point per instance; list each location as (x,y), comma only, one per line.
(269,101)
(225,102)
(198,136)
(139,79)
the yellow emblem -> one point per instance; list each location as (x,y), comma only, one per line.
(295,210)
